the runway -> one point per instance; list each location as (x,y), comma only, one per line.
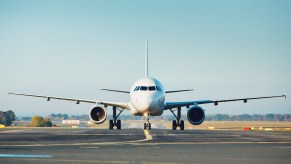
(52,145)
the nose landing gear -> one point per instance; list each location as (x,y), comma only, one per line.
(148,124)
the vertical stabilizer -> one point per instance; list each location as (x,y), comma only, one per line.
(146,73)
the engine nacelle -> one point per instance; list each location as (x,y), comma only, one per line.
(98,114)
(196,115)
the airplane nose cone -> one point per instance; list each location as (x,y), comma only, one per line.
(150,103)
(147,103)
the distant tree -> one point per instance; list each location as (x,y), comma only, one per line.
(280,117)
(26,118)
(11,115)
(269,117)
(59,115)
(6,118)
(2,118)
(257,117)
(245,117)
(47,122)
(222,117)
(84,117)
(36,121)
(234,118)
(65,116)
(8,121)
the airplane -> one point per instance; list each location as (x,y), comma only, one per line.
(147,98)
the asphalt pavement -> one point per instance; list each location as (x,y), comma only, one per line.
(53,145)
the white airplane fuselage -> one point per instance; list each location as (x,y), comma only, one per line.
(147,97)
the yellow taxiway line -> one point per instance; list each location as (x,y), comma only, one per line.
(147,135)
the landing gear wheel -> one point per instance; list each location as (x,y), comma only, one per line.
(174,125)
(111,124)
(147,125)
(118,124)
(178,121)
(181,125)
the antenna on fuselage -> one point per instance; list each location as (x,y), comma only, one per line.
(146,60)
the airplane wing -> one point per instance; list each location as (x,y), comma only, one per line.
(48,98)
(113,90)
(170,105)
(185,90)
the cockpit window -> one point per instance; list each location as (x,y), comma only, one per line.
(147,88)
(152,88)
(143,88)
(158,88)
(137,88)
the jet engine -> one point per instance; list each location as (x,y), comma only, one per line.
(98,114)
(196,115)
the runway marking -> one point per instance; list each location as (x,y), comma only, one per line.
(24,156)
(283,147)
(89,147)
(10,131)
(139,142)
(144,147)
(148,135)
(100,134)
(208,143)
(93,161)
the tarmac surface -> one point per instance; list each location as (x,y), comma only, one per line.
(53,145)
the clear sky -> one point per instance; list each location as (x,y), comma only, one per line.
(71,48)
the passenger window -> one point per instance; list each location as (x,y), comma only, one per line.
(143,88)
(152,88)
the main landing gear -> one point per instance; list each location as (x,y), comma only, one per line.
(147,125)
(115,122)
(178,122)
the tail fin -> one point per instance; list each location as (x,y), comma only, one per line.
(146,60)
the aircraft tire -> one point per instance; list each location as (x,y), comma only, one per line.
(118,124)
(182,125)
(110,124)
(174,125)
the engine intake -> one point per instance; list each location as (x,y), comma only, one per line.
(196,115)
(98,114)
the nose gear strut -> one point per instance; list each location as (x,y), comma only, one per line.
(148,124)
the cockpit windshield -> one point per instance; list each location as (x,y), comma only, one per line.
(143,88)
(147,88)
(152,88)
